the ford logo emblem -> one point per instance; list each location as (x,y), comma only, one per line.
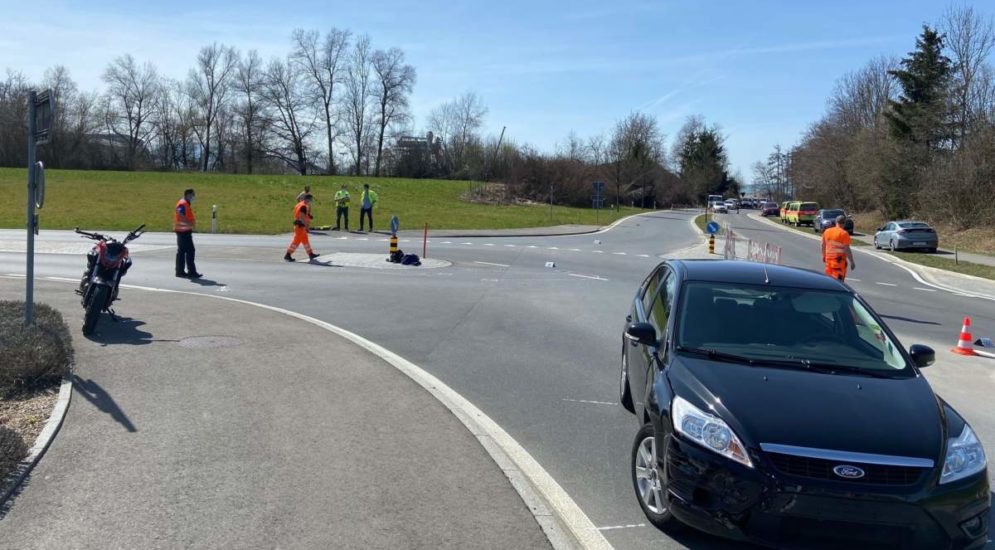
(848,472)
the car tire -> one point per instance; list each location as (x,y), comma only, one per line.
(647,480)
(891,245)
(876,245)
(624,392)
(931,250)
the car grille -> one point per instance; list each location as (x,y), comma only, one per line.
(818,468)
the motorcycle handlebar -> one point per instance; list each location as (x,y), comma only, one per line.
(94,236)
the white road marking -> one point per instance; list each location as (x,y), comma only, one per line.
(532,246)
(552,248)
(852,279)
(630,526)
(589,402)
(488,244)
(492,263)
(644,255)
(341,238)
(61,279)
(574,250)
(886,284)
(598,251)
(619,253)
(510,245)
(447,242)
(489,280)
(503,449)
(405,240)
(592,277)
(924,289)
(466,243)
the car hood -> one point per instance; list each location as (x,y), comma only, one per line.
(899,417)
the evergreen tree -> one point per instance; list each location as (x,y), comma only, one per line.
(922,113)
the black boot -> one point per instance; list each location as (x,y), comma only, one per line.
(312,256)
(288,257)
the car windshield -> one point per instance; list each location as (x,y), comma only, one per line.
(831,214)
(913,225)
(787,326)
(809,206)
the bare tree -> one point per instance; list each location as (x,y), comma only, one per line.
(457,123)
(13,119)
(636,153)
(292,120)
(861,97)
(131,100)
(248,84)
(970,37)
(359,87)
(208,85)
(394,81)
(323,62)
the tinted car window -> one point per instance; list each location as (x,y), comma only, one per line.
(914,225)
(809,206)
(652,284)
(789,324)
(831,214)
(659,311)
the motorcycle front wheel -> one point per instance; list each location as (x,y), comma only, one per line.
(98,298)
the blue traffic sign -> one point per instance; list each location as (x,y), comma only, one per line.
(712,228)
(394,225)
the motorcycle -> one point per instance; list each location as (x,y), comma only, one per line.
(106,263)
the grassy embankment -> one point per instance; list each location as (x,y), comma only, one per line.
(263,204)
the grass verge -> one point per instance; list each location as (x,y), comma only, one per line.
(701,223)
(264,203)
(931,260)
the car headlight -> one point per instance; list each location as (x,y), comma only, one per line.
(965,456)
(707,430)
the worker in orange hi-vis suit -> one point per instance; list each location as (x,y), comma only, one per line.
(302,221)
(836,250)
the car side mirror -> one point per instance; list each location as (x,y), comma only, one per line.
(643,333)
(922,356)
(881,228)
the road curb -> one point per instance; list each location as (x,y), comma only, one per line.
(563,523)
(42,442)
(922,271)
(601,229)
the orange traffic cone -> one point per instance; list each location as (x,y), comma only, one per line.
(964,346)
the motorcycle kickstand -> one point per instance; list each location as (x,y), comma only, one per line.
(113,315)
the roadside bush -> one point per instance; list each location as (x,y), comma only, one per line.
(32,356)
(13,449)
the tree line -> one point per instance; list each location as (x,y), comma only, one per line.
(910,137)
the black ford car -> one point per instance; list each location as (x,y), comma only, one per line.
(777,407)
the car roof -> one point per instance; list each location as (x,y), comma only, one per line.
(754,273)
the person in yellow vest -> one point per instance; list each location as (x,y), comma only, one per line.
(367,200)
(184,222)
(341,208)
(302,221)
(836,250)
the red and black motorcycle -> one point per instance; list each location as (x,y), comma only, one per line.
(106,263)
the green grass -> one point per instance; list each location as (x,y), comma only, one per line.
(931,260)
(263,204)
(701,223)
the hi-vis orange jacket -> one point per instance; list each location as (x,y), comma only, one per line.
(183,218)
(302,218)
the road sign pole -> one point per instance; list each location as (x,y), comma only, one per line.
(29,291)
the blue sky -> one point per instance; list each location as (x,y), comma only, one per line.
(762,70)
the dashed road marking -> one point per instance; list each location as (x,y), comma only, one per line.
(552,248)
(619,253)
(488,244)
(492,263)
(510,245)
(644,255)
(590,403)
(574,250)
(598,251)
(592,277)
(886,284)
(466,243)
(629,526)
(924,289)
(447,242)
(532,246)
(854,280)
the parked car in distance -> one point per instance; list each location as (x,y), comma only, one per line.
(774,405)
(826,218)
(905,235)
(802,213)
(784,211)
(769,209)
(720,208)
(732,204)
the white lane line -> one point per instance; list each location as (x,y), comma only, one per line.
(509,454)
(590,402)
(592,277)
(629,526)
(852,279)
(532,246)
(447,242)
(510,245)
(492,263)
(61,279)
(466,243)
(644,255)
(405,240)
(21,275)
(552,248)
(619,253)
(574,250)
(924,289)
(598,251)
(886,284)
(341,238)
(364,238)
(488,244)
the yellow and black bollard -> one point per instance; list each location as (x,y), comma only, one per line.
(711,244)
(393,245)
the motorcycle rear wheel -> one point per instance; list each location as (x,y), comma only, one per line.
(97,301)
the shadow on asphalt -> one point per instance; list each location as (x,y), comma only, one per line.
(98,396)
(907,320)
(124,331)
(689,537)
(206,282)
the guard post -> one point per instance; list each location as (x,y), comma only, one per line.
(712,228)
(40,108)
(214,218)
(394,225)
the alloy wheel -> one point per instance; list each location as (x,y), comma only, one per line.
(648,476)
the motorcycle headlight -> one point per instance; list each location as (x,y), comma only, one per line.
(707,430)
(965,456)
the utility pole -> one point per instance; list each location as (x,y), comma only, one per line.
(39,107)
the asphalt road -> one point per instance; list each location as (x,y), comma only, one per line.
(537,347)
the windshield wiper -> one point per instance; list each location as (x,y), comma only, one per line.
(719,355)
(828,368)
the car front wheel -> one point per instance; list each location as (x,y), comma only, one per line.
(648,479)
(876,245)
(891,245)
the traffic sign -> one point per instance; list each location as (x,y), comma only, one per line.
(394,225)
(712,228)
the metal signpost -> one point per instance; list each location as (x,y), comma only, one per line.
(40,109)
(598,200)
